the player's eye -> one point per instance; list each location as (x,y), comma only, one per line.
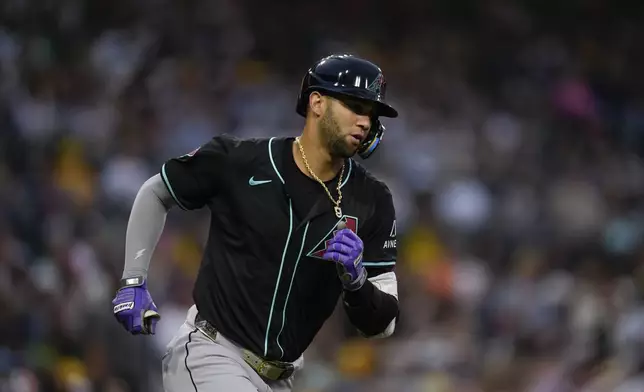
(358,107)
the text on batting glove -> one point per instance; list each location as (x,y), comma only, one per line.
(135,310)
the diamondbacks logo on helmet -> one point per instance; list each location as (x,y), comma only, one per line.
(377,84)
(318,250)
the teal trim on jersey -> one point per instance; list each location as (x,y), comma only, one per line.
(279,275)
(164,177)
(270,155)
(348,173)
(290,286)
(378,263)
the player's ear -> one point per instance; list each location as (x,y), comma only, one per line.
(317,104)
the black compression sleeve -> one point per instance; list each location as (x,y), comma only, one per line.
(369,309)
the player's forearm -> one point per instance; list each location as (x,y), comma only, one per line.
(371,310)
(144,228)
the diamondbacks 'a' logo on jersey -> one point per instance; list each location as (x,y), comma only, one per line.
(318,250)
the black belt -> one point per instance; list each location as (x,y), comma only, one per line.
(272,370)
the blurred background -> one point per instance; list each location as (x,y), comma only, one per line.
(515,166)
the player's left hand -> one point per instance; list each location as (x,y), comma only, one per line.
(345,248)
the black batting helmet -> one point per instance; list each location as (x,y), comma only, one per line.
(351,76)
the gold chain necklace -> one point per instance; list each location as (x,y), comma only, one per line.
(337,209)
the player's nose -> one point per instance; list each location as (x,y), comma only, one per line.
(363,122)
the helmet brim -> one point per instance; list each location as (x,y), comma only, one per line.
(386,110)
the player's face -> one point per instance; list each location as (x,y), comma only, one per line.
(344,125)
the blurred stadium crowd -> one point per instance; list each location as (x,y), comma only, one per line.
(515,167)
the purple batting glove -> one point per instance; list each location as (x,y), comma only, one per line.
(134,308)
(345,248)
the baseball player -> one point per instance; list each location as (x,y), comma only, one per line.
(296,224)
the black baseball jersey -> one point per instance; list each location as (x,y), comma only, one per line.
(262,281)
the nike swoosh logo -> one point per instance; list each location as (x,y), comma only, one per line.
(252,181)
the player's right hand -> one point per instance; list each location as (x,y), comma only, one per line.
(134,307)
(345,248)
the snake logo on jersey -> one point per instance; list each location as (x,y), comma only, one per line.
(318,250)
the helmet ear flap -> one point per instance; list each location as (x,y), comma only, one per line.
(373,139)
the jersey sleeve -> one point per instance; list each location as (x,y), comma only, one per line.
(380,252)
(195,178)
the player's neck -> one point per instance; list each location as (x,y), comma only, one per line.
(320,161)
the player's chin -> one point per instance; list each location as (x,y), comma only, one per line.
(344,148)
(349,149)
(344,153)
